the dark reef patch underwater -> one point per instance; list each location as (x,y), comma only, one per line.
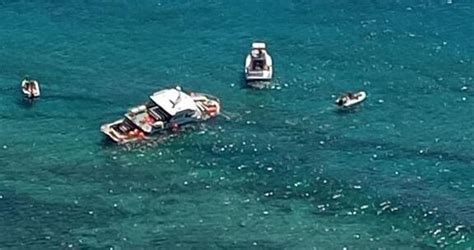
(285,170)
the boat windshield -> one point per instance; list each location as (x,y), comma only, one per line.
(258,64)
(159,114)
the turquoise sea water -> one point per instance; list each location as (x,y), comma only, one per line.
(285,170)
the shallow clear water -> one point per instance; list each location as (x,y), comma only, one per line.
(285,170)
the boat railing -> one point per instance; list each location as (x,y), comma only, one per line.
(196,96)
(255,72)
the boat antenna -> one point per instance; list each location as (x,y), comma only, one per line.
(177,98)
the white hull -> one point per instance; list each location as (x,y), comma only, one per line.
(30,92)
(142,122)
(264,75)
(112,134)
(258,64)
(258,75)
(346,102)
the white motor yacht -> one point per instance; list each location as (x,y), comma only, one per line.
(258,64)
(166,109)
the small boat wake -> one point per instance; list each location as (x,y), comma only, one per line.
(259,84)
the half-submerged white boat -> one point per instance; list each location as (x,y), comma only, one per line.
(30,88)
(351,99)
(258,64)
(166,109)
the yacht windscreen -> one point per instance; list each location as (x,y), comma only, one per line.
(159,114)
(150,105)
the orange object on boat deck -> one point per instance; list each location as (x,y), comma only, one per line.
(212,109)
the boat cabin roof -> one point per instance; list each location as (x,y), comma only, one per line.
(259,45)
(173,101)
